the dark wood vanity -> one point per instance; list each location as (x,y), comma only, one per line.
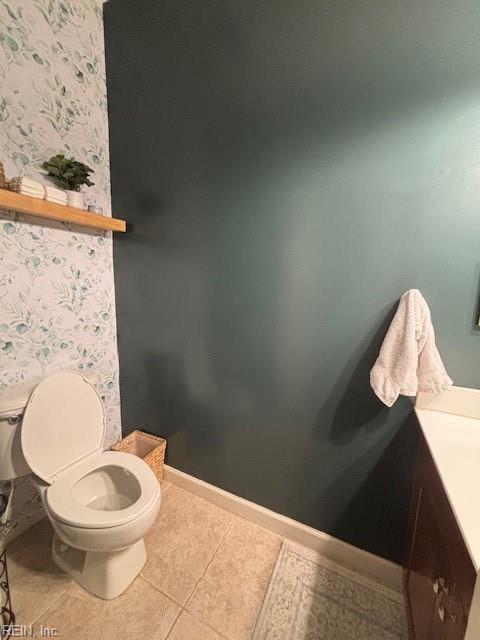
(440,576)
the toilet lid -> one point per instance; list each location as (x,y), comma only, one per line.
(64,421)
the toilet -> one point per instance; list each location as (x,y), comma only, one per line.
(100,503)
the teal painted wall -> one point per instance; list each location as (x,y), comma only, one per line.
(288,170)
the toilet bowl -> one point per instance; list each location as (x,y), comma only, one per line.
(100,503)
(104,503)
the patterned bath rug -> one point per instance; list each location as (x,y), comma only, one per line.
(312,598)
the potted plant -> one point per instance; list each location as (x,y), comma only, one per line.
(70,174)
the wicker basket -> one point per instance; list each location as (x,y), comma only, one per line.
(150,448)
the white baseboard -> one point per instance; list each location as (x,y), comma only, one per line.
(345,554)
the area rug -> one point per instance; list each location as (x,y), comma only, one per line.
(312,598)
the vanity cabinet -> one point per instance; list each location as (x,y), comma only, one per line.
(440,577)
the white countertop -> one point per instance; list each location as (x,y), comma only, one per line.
(450,423)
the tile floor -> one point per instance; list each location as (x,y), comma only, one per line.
(205,579)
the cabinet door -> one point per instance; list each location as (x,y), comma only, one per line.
(455,618)
(423,574)
(440,576)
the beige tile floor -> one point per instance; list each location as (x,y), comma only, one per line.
(205,579)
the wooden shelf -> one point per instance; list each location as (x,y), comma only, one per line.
(45,209)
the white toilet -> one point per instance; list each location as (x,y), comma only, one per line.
(100,503)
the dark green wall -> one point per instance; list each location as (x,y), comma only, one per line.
(288,169)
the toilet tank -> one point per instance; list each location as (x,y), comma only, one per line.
(12,406)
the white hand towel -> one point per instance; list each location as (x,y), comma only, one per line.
(409,361)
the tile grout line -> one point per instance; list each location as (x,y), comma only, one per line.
(179,604)
(150,584)
(220,635)
(268,586)
(227,530)
(174,623)
(183,606)
(194,615)
(52,604)
(183,610)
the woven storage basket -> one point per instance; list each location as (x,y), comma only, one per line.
(150,448)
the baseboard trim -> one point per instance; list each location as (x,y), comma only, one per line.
(337,550)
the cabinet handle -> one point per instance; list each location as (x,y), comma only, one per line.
(439,585)
(441,613)
(453,617)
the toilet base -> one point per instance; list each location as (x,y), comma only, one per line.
(105,574)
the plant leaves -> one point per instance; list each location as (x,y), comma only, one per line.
(69,172)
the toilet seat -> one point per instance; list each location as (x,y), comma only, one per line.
(67,509)
(62,435)
(64,422)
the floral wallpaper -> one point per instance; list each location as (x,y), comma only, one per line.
(57,307)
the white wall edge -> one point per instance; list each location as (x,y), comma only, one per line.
(341,552)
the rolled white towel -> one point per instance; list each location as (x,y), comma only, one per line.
(27,184)
(31,194)
(55,201)
(30,182)
(30,189)
(55,196)
(59,198)
(36,193)
(18,186)
(54,192)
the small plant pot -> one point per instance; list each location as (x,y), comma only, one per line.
(75,199)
